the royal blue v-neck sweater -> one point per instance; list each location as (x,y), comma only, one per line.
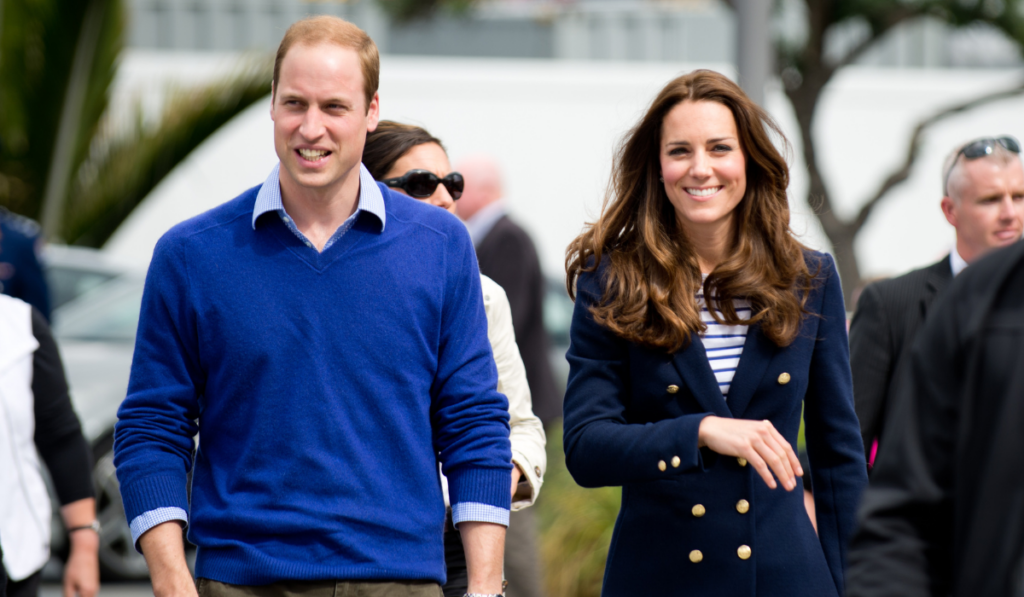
(325,388)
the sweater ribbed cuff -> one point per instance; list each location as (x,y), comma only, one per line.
(490,486)
(152,492)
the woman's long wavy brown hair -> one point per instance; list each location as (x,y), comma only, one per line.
(652,273)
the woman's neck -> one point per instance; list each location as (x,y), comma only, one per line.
(712,242)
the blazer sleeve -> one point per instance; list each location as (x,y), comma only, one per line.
(871,360)
(58,435)
(527,432)
(903,545)
(602,446)
(834,447)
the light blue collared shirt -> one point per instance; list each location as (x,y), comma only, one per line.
(371,201)
(269,199)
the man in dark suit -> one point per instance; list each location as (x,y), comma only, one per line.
(944,513)
(983,184)
(21,275)
(507,255)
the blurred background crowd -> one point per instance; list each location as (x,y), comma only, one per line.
(120,118)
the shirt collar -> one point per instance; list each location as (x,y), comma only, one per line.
(956,262)
(483,220)
(269,197)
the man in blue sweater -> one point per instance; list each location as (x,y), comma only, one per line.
(327,338)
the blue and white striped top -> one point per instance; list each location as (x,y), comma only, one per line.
(723,343)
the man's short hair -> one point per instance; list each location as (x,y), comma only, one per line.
(952,166)
(328,29)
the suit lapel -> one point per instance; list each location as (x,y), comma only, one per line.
(693,367)
(757,353)
(939,276)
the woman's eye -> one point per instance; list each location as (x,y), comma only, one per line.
(678,151)
(722,148)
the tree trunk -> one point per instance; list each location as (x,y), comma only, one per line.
(841,234)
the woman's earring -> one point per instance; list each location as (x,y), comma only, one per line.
(661,178)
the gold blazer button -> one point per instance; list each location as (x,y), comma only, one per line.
(743,506)
(743,552)
(784,379)
(696,556)
(672,389)
(676,462)
(698,510)
(742,461)
(661,465)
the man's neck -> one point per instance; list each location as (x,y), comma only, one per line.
(318,212)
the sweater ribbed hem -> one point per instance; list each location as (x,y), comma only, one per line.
(147,493)
(256,568)
(482,485)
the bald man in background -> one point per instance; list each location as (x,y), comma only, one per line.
(983,188)
(508,256)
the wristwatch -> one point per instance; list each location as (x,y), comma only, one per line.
(93,526)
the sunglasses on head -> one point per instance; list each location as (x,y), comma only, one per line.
(422,183)
(983,147)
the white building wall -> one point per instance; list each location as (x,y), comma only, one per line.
(554,126)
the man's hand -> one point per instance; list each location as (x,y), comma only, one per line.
(516,475)
(82,571)
(484,544)
(164,550)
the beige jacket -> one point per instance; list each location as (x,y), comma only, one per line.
(527,433)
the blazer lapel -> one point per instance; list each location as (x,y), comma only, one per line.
(693,367)
(757,353)
(939,276)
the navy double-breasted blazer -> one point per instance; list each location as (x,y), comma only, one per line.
(631,419)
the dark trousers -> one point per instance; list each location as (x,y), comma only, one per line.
(28,587)
(325,588)
(455,562)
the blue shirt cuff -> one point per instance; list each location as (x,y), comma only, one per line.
(474,512)
(147,520)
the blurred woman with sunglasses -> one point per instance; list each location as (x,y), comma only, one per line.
(412,161)
(702,329)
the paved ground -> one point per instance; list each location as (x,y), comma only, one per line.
(133,589)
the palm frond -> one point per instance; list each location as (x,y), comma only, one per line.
(112,182)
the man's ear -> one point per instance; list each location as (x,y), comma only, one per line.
(273,95)
(373,113)
(949,210)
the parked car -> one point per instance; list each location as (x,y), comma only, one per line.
(73,271)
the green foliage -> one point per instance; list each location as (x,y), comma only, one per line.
(108,177)
(113,182)
(575,527)
(36,53)
(408,10)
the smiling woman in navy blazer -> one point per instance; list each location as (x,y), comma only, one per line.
(702,329)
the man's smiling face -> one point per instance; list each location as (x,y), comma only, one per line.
(320,117)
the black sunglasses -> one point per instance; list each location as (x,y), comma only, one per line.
(422,183)
(982,148)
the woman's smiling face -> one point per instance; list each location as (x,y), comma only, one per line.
(702,164)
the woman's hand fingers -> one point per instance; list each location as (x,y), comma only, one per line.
(757,441)
(776,457)
(755,460)
(794,460)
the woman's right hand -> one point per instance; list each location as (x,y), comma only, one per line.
(756,441)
